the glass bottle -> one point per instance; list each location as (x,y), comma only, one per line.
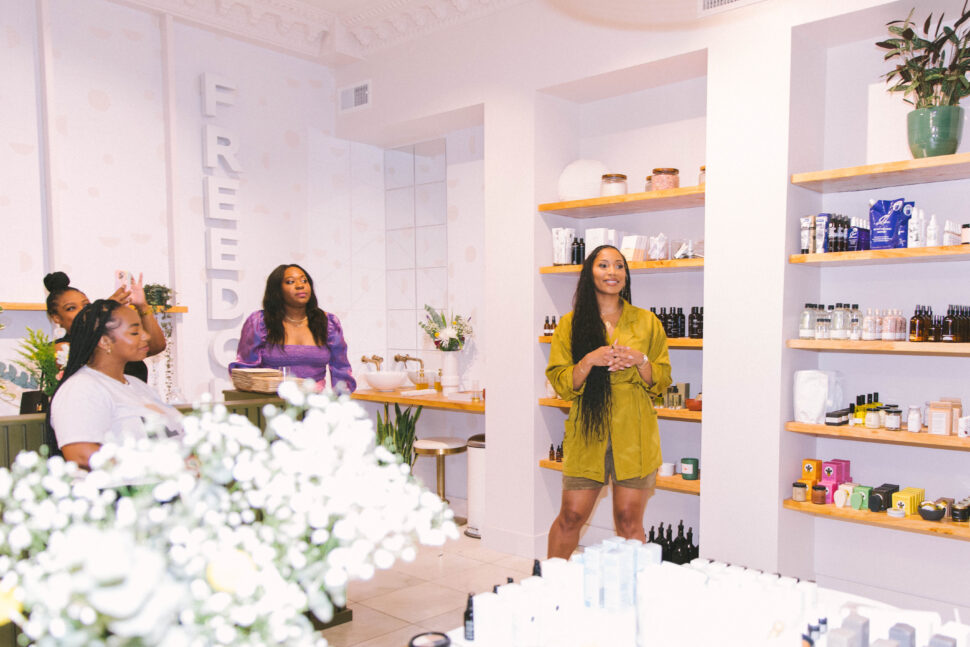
(681,323)
(855,323)
(948,333)
(916,330)
(806,322)
(823,325)
(869,326)
(839,326)
(888,326)
(545,327)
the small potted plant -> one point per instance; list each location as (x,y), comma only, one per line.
(39,358)
(397,436)
(931,72)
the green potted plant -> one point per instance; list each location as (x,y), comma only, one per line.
(931,72)
(398,436)
(38,357)
(159,297)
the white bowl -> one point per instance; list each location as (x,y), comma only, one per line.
(385,380)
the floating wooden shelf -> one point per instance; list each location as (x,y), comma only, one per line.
(883,256)
(636,267)
(881,436)
(666,414)
(671,483)
(669,199)
(674,342)
(877,176)
(41,307)
(436,401)
(887,347)
(911,523)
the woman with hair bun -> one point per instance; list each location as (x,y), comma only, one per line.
(95,401)
(610,358)
(291,331)
(65,301)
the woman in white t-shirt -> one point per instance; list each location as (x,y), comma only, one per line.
(96,402)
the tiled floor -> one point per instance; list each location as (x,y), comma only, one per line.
(426,594)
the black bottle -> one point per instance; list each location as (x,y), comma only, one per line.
(574,252)
(582,251)
(663,320)
(678,548)
(470,619)
(694,550)
(681,323)
(692,323)
(536,568)
(660,534)
(651,538)
(669,542)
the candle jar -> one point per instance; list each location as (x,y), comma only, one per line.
(613,184)
(799,492)
(872,419)
(894,420)
(702,177)
(665,178)
(818,494)
(648,184)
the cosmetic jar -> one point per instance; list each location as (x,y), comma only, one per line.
(430,639)
(799,492)
(894,419)
(896,512)
(690,469)
(872,419)
(666,469)
(702,177)
(665,178)
(648,184)
(965,234)
(960,512)
(914,419)
(818,494)
(613,184)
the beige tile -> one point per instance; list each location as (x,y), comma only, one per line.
(382,582)
(473,549)
(367,623)
(397,638)
(417,603)
(446,621)
(433,563)
(479,579)
(521,564)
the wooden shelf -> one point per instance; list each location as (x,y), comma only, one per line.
(636,267)
(877,176)
(881,436)
(436,401)
(666,414)
(674,342)
(911,523)
(883,256)
(671,483)
(667,200)
(886,347)
(41,307)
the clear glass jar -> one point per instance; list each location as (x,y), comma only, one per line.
(648,184)
(914,420)
(665,178)
(613,184)
(702,176)
(806,323)
(894,420)
(872,419)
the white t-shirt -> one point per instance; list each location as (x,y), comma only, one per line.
(91,407)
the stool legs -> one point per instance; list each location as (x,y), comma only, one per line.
(440,469)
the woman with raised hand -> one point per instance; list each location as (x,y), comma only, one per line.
(65,301)
(291,331)
(95,401)
(610,359)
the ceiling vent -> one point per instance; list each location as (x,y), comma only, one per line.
(710,7)
(355,97)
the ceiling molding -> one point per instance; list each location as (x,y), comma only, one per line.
(293,26)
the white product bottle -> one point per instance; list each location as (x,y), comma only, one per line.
(933,233)
(888,332)
(840,322)
(869,326)
(855,323)
(914,233)
(806,323)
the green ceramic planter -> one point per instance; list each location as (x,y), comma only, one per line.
(935,131)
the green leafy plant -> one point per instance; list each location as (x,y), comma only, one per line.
(398,436)
(38,357)
(933,68)
(160,297)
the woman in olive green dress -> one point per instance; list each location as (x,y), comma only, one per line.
(610,358)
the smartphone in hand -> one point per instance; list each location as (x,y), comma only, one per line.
(122,279)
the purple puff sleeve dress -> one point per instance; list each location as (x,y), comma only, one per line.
(304,361)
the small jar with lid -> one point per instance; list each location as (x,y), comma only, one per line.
(914,419)
(872,418)
(613,184)
(818,494)
(799,492)
(965,234)
(894,419)
(702,176)
(665,178)
(648,184)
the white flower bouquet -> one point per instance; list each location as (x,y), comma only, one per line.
(448,334)
(228,537)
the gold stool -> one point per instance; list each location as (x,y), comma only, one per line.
(439,447)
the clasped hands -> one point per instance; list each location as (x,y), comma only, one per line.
(615,358)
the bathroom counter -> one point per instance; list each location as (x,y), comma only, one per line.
(436,401)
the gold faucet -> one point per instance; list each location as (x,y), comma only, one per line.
(408,358)
(376,360)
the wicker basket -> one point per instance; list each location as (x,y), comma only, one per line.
(256,380)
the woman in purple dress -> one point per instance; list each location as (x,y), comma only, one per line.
(292,331)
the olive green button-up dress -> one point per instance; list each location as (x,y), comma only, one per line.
(633,430)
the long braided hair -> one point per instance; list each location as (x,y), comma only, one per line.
(273,310)
(589,333)
(91,324)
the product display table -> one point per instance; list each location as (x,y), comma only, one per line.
(459,402)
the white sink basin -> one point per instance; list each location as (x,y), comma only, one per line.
(385,380)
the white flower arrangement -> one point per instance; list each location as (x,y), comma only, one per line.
(227,537)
